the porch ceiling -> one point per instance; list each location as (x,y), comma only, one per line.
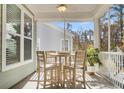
(74,11)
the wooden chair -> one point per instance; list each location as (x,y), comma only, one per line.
(48,68)
(69,71)
(81,66)
(52,59)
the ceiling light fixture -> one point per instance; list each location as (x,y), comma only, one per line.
(62,8)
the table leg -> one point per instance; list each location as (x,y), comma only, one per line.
(60,75)
(56,71)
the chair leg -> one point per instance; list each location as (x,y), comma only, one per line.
(84,79)
(58,77)
(38,72)
(74,80)
(51,77)
(44,85)
(55,76)
(64,77)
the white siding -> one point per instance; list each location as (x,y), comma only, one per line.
(49,38)
(11,77)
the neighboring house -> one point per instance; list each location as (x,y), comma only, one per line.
(50,37)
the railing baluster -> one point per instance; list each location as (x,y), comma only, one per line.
(113,62)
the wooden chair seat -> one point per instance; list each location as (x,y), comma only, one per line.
(69,67)
(48,66)
(80,67)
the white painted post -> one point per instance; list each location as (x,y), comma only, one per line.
(109,47)
(109,29)
(96,33)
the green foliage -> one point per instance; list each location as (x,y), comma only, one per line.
(113,46)
(92,56)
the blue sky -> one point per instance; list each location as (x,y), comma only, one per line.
(77,25)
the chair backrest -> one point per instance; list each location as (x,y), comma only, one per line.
(80,57)
(41,59)
(50,55)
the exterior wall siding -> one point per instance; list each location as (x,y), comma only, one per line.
(13,76)
(50,38)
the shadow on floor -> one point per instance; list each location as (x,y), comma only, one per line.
(93,81)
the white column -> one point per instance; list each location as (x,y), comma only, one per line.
(109,33)
(96,33)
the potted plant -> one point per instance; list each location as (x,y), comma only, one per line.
(92,59)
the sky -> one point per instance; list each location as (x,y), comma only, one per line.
(77,25)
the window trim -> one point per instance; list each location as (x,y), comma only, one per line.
(21,35)
(61,44)
(26,37)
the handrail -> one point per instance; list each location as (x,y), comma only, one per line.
(113,52)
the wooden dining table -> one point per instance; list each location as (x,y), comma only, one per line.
(58,59)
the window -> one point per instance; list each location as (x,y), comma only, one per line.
(103,31)
(13,30)
(17,34)
(65,45)
(28,37)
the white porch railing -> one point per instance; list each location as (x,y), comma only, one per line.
(113,67)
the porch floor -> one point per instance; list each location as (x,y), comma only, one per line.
(93,82)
